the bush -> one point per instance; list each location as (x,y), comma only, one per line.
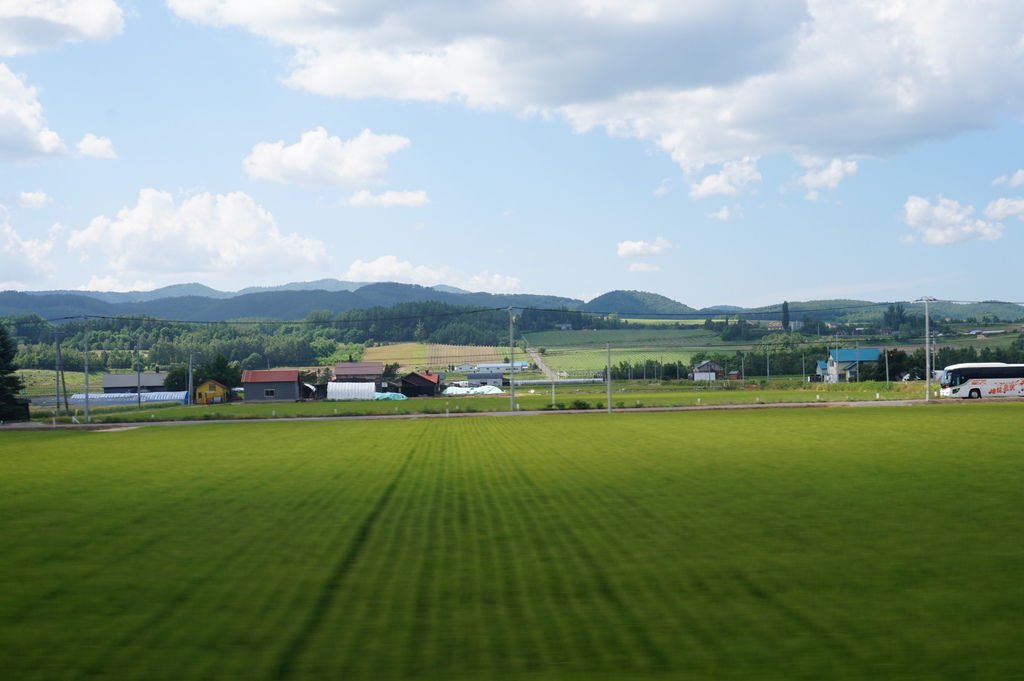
(580,404)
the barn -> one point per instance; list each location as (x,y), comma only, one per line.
(272,385)
(359,372)
(476,380)
(147,382)
(421,384)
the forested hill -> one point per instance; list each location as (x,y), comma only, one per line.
(287,305)
(636,303)
(298,304)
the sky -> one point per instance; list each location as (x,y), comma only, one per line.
(737,152)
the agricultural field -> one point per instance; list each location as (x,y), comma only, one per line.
(433,355)
(648,338)
(575,360)
(806,544)
(577,351)
(440,356)
(408,355)
(42,381)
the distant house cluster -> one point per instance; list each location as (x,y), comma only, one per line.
(844,366)
(350,380)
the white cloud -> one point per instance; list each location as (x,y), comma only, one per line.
(30,25)
(829,78)
(36,199)
(320,157)
(96,147)
(826,177)
(722,214)
(630,249)
(23,131)
(946,222)
(729,181)
(643,267)
(22,260)
(206,235)
(388,199)
(1015,180)
(390,268)
(662,190)
(1000,209)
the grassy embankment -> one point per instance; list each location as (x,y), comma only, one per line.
(624,395)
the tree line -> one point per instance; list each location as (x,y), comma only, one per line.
(323,338)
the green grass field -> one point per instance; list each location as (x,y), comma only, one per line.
(878,543)
(574,351)
(528,398)
(649,337)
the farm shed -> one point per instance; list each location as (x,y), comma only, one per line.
(272,385)
(212,392)
(475,380)
(420,384)
(708,371)
(501,367)
(350,391)
(844,365)
(359,372)
(129,383)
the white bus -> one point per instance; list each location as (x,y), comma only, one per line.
(982,379)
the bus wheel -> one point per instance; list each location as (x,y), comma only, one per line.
(975,395)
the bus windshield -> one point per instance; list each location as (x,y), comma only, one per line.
(950,379)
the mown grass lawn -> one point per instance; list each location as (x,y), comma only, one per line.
(809,544)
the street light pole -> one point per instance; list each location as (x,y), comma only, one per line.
(927,347)
(511,364)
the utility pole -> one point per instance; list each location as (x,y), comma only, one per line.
(85,359)
(138,370)
(768,361)
(856,354)
(927,347)
(56,367)
(887,386)
(511,364)
(188,398)
(608,374)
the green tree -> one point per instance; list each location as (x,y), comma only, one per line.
(10,382)
(221,370)
(176,378)
(785,315)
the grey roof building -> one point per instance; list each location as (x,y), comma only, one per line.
(129,383)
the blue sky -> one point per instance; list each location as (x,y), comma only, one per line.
(727,152)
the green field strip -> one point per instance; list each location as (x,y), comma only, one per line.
(627,523)
(547,565)
(573,583)
(334,583)
(518,623)
(644,653)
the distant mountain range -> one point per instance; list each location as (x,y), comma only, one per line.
(197,302)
